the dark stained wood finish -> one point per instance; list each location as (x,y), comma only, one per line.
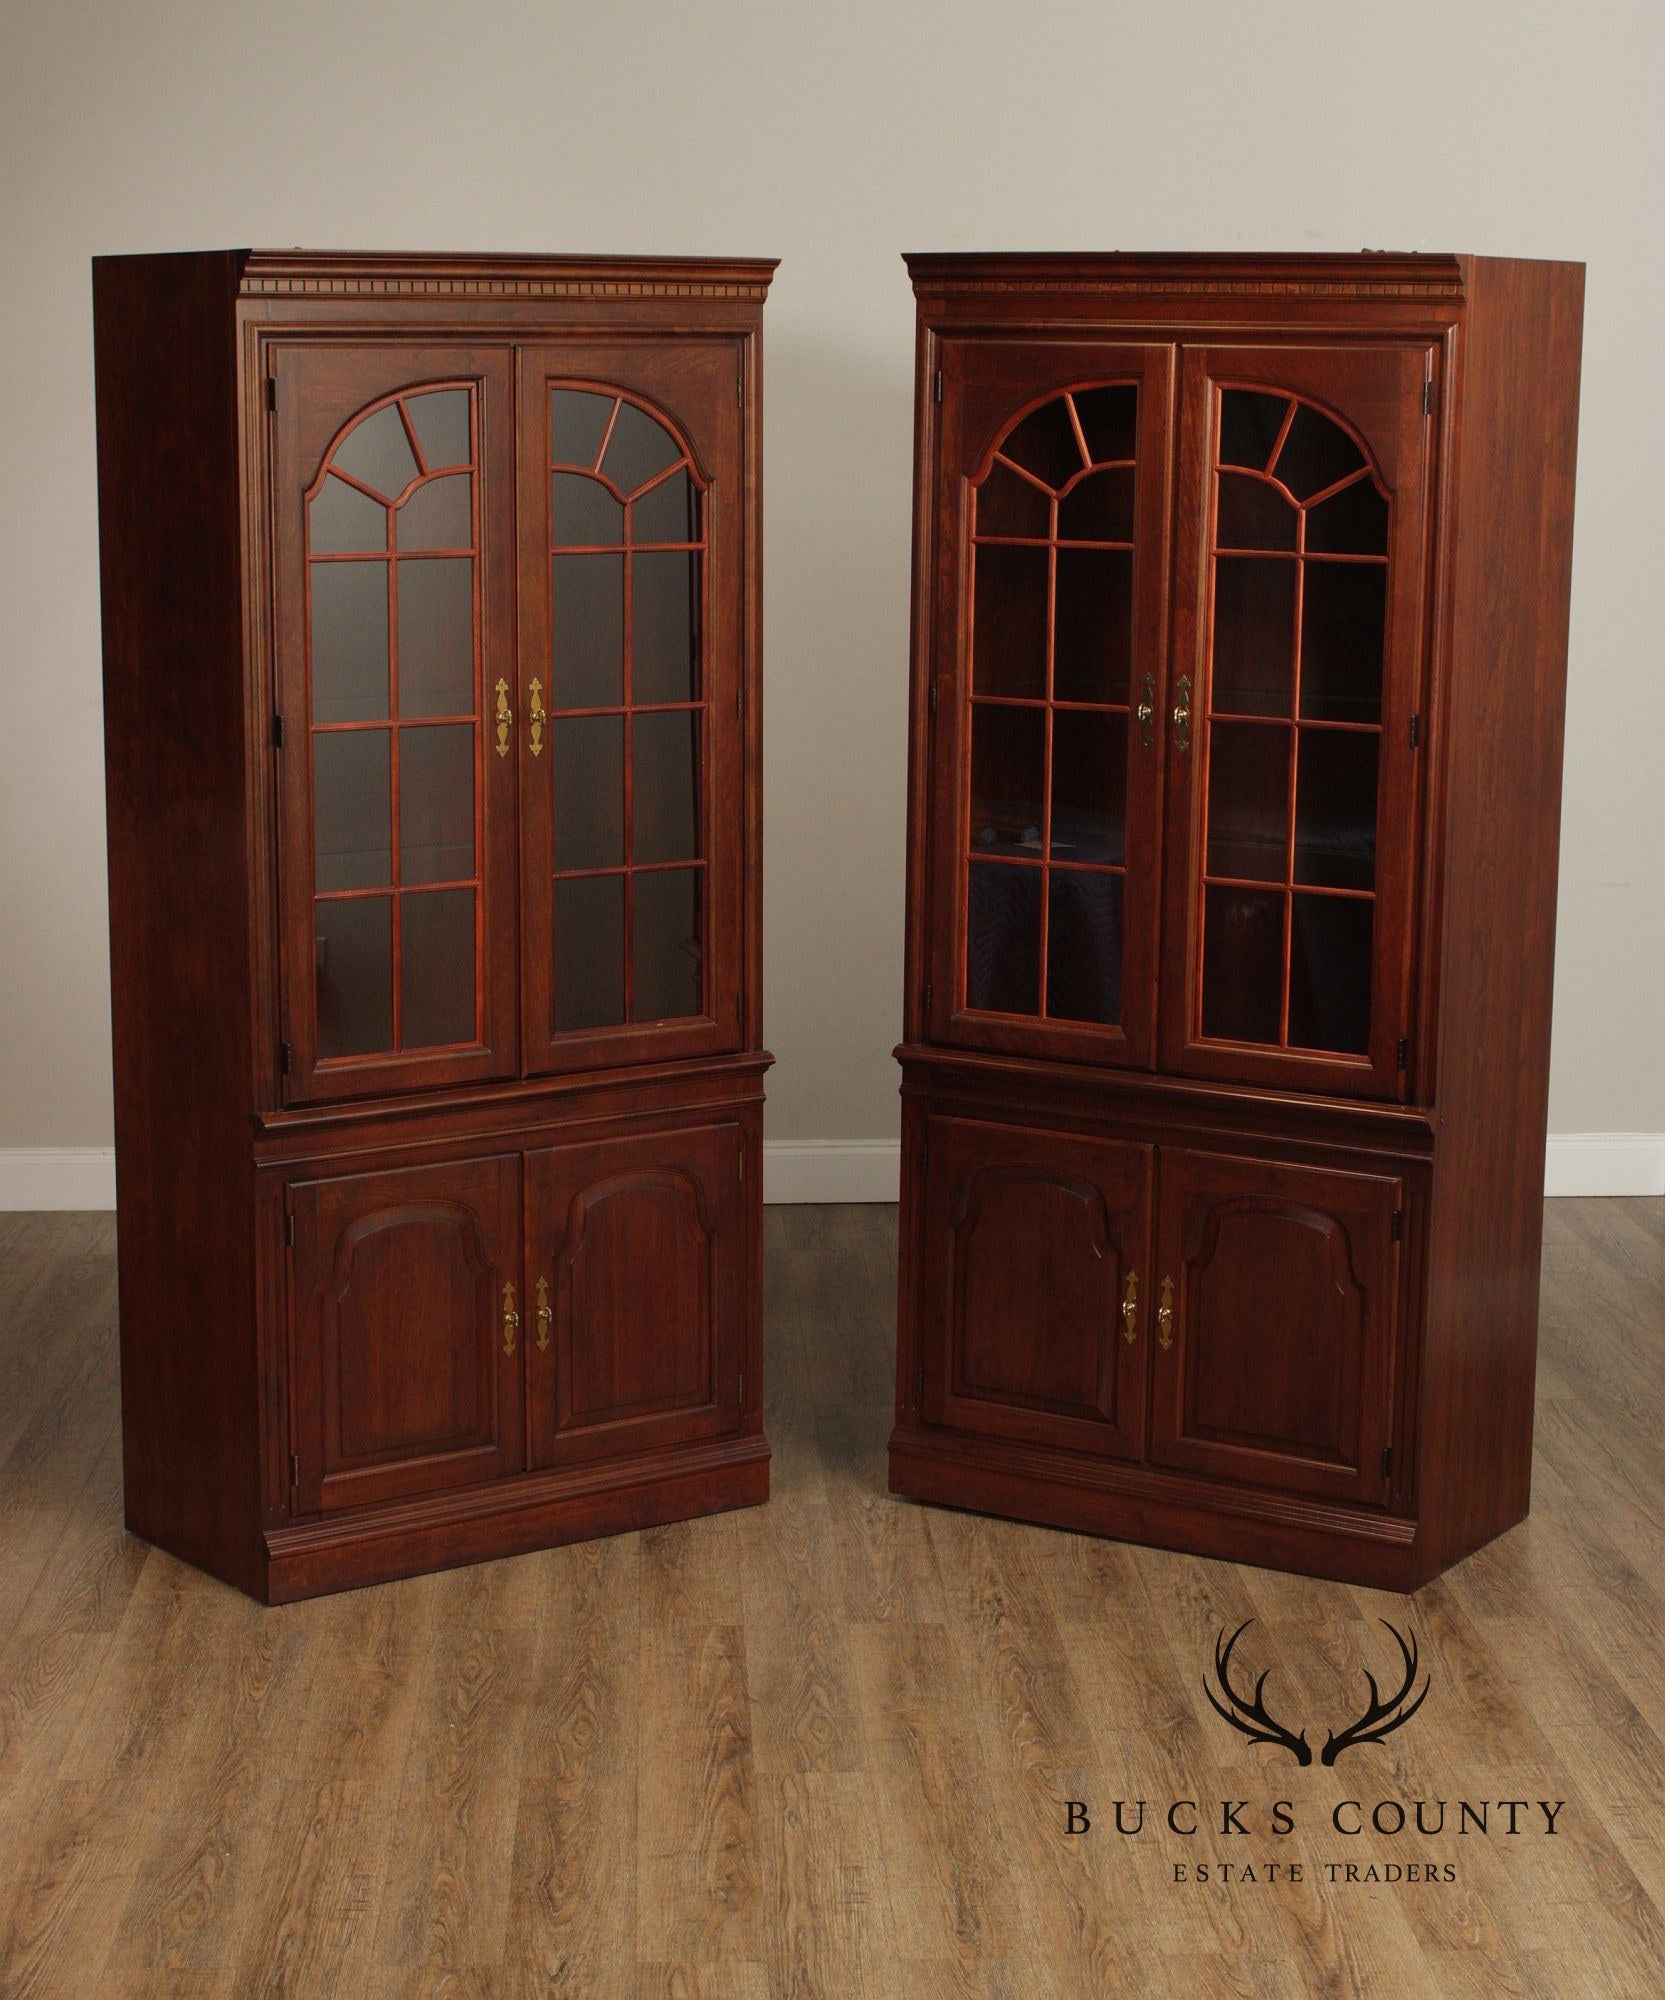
(242,1354)
(1352,1240)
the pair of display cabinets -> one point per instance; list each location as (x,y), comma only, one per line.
(431,618)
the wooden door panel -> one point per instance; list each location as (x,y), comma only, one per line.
(1035,1243)
(1050,493)
(636,1252)
(407,1366)
(1277,1364)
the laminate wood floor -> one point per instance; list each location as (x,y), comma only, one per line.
(825,1747)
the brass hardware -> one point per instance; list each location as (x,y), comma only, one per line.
(1146,711)
(511,1319)
(1182,715)
(537,718)
(1165,1315)
(1130,1308)
(505,719)
(546,1315)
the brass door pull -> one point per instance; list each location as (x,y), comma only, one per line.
(1165,1315)
(1130,1308)
(537,719)
(1146,711)
(505,719)
(511,1319)
(546,1312)
(1182,715)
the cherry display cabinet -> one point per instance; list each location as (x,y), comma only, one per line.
(1239,654)
(432,724)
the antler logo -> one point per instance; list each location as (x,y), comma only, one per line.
(1251,1717)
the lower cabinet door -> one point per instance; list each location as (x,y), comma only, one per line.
(636,1255)
(406,1353)
(1036,1301)
(1278,1301)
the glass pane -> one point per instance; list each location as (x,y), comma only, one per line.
(440,420)
(668,512)
(665,799)
(352,809)
(1335,815)
(582,511)
(1254,636)
(355,976)
(1248,800)
(1109,421)
(1343,612)
(1316,453)
(436,803)
(1353,522)
(438,515)
(436,637)
(1329,974)
(377,452)
(1253,515)
(436,968)
(665,944)
(586,648)
(639,447)
(1093,642)
(1100,509)
(577,424)
(589,953)
(664,642)
(1009,620)
(1044,444)
(586,759)
(1008,778)
(1003,939)
(1089,786)
(1242,964)
(1008,505)
(1084,946)
(349,641)
(341,519)
(1249,424)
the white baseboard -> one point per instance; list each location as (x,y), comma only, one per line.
(803,1170)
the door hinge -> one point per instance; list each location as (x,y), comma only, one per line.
(1416,731)
(740,387)
(931,698)
(924,1158)
(1387,1462)
(1398,1225)
(271,392)
(939,385)
(1402,1054)
(286,1057)
(289,1227)
(1428,396)
(277,732)
(294,1468)
(927,996)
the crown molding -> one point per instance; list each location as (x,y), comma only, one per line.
(1362,275)
(379,275)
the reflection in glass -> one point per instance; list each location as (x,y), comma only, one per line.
(586,630)
(1242,964)
(1008,779)
(668,512)
(1353,522)
(577,424)
(583,512)
(665,800)
(436,803)
(440,419)
(1007,504)
(1253,514)
(1044,443)
(1092,640)
(1343,616)
(1089,786)
(665,944)
(436,636)
(1329,973)
(1248,801)
(586,755)
(1009,620)
(1084,946)
(1109,420)
(1316,453)
(354,970)
(1254,635)
(349,641)
(589,953)
(436,967)
(378,452)
(639,447)
(352,813)
(437,515)
(664,642)
(1099,509)
(1249,424)
(1335,813)
(1003,939)
(341,519)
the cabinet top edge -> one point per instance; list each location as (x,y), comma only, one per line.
(1338,274)
(403,274)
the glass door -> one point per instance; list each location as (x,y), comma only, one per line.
(392,509)
(1299,607)
(631,525)
(1048,688)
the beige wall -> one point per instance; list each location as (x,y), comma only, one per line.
(834,138)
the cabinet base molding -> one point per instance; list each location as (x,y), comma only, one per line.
(1060,1489)
(538,1512)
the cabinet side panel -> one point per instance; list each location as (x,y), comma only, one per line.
(179,904)
(1511,566)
